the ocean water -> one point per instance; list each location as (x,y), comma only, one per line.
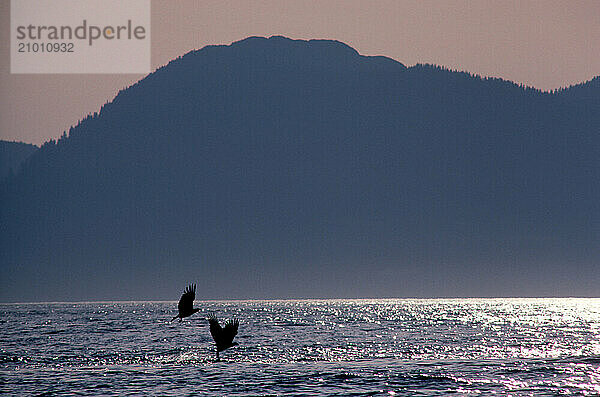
(377,347)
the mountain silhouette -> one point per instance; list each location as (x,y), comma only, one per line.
(12,155)
(274,167)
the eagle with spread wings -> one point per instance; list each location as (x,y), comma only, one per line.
(186,303)
(223,336)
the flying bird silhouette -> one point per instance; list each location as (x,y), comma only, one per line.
(223,336)
(186,303)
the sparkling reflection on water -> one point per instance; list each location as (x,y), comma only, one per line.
(305,347)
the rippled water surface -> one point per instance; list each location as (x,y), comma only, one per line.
(312,347)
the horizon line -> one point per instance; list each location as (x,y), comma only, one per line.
(305,299)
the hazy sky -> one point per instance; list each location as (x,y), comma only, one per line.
(546,44)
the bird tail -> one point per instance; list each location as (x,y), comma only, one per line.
(173,319)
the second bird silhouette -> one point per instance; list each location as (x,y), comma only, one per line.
(223,336)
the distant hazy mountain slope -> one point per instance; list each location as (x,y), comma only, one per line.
(12,155)
(276,167)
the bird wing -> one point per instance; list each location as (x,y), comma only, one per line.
(215,329)
(186,303)
(230,330)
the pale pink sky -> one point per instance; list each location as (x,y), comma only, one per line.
(545,44)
